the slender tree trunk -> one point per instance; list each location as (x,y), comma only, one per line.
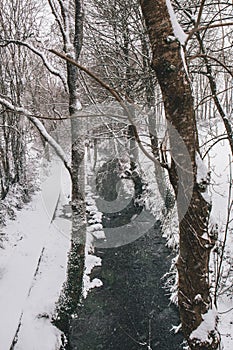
(193,296)
(72,292)
(151,100)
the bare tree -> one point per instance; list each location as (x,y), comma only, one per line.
(18,21)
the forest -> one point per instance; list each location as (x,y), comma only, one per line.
(116,161)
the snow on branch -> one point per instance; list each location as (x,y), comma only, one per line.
(58,149)
(177,30)
(44,59)
(179,34)
(41,128)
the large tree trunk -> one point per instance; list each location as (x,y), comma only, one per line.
(195,243)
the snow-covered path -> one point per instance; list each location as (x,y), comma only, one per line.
(27,291)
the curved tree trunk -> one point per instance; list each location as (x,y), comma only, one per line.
(195,241)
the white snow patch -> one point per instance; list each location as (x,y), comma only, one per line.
(95,227)
(92,209)
(219,159)
(176,329)
(90,262)
(99,234)
(95,283)
(203,177)
(182,53)
(202,333)
(96,218)
(202,171)
(90,201)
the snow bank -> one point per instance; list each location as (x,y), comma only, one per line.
(33,270)
(94,231)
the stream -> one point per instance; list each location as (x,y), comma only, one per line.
(132,309)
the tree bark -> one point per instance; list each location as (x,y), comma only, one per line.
(193,296)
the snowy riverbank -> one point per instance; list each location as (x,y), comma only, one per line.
(33,267)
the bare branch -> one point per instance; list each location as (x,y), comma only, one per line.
(200,12)
(200,29)
(50,68)
(198,20)
(214,59)
(217,141)
(117,97)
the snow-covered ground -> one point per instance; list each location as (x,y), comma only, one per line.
(33,259)
(33,267)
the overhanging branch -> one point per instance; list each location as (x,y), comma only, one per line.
(50,68)
(41,128)
(117,97)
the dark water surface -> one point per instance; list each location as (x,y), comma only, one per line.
(131,310)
